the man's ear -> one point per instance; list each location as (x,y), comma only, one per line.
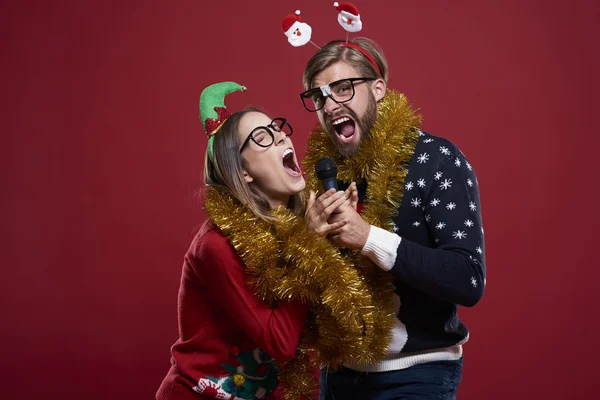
(379,87)
(247,177)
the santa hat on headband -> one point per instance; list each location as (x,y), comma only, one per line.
(348,16)
(297,32)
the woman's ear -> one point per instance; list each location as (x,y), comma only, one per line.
(247,177)
(379,87)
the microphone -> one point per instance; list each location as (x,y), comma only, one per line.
(327,173)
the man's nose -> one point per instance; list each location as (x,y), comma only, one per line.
(330,105)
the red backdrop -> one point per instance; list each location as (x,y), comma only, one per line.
(102,150)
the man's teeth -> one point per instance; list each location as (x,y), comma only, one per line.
(286,152)
(340,120)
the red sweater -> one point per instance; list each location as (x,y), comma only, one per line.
(227,335)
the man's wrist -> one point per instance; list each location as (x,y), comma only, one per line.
(381,247)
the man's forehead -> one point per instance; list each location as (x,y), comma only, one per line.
(334,72)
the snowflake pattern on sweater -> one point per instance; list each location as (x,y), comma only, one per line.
(440,262)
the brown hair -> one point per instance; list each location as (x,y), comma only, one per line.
(335,51)
(225,171)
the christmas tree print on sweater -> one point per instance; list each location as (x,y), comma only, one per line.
(254,378)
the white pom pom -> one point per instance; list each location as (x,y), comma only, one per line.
(297,12)
(336,4)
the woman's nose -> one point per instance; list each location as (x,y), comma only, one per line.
(279,137)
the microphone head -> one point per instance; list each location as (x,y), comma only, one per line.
(326,168)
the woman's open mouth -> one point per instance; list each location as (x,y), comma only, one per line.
(290,164)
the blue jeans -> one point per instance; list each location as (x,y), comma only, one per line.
(434,380)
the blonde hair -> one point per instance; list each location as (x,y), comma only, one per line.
(226,171)
(335,51)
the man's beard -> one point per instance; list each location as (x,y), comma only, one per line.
(364,124)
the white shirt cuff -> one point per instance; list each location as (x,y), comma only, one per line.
(382,247)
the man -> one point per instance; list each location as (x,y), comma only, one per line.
(418,219)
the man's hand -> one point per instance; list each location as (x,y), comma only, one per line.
(352,193)
(353,234)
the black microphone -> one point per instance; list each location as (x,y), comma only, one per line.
(327,173)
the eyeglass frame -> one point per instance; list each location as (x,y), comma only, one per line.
(269,129)
(326,92)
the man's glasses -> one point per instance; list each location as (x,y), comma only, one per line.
(340,91)
(264,136)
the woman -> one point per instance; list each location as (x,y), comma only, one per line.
(235,322)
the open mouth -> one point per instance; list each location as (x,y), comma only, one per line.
(345,127)
(290,164)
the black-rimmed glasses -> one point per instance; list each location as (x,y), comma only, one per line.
(264,136)
(340,91)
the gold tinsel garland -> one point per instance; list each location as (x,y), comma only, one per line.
(381,160)
(284,260)
(351,306)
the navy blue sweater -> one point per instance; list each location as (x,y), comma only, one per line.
(440,261)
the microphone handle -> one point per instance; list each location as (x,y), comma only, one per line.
(329,183)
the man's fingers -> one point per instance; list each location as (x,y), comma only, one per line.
(335,228)
(310,202)
(352,195)
(351,188)
(354,200)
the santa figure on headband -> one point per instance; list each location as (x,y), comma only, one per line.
(348,16)
(297,32)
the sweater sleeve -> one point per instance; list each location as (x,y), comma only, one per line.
(275,330)
(454,269)
(382,247)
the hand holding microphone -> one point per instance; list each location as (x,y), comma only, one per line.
(329,216)
(326,171)
(318,211)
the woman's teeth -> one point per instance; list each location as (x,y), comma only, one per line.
(289,163)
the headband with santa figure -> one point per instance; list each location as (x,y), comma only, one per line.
(299,33)
(212,109)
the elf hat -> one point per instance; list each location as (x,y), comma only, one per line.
(212,107)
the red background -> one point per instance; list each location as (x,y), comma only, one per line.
(102,153)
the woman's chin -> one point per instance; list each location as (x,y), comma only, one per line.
(299,185)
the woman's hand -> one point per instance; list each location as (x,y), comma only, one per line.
(319,210)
